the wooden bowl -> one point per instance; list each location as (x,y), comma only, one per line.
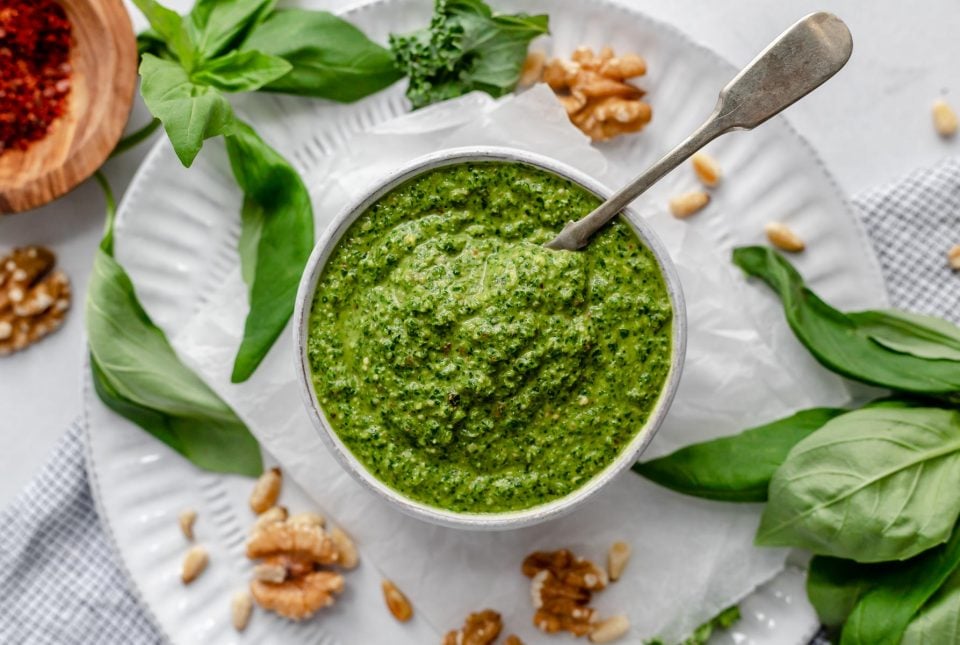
(104,76)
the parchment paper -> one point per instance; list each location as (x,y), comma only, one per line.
(691,557)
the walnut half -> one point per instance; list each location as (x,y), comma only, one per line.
(561,588)
(288,580)
(593,89)
(480,628)
(34,298)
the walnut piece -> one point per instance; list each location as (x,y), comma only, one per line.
(567,568)
(561,588)
(288,579)
(292,539)
(480,628)
(34,298)
(298,598)
(592,88)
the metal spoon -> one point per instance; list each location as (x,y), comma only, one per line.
(796,63)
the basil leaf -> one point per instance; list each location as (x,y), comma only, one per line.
(331,58)
(170,28)
(870,485)
(939,620)
(837,341)
(251,230)
(150,42)
(216,26)
(900,591)
(190,112)
(909,333)
(499,43)
(240,71)
(736,468)
(138,375)
(835,586)
(277,205)
(466,47)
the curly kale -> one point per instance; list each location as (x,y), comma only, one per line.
(466,47)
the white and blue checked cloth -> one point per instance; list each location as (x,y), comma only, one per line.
(60,581)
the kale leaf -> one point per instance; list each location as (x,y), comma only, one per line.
(466,47)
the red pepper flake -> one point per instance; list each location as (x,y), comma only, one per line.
(34,69)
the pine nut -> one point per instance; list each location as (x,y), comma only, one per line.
(193,564)
(953,256)
(187,518)
(266,490)
(241,606)
(687,204)
(782,237)
(617,558)
(309,518)
(944,119)
(345,547)
(609,630)
(707,169)
(397,603)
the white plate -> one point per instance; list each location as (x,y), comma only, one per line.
(176,236)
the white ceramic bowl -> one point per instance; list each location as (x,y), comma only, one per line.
(509,519)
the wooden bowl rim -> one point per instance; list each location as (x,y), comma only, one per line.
(34,190)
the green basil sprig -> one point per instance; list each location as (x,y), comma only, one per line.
(847,344)
(879,602)
(872,491)
(329,57)
(466,47)
(137,374)
(939,619)
(187,65)
(835,586)
(870,485)
(275,241)
(909,333)
(216,27)
(190,112)
(736,468)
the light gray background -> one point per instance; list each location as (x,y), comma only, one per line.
(870,124)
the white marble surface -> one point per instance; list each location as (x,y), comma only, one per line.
(870,124)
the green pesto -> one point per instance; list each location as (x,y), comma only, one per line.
(468,367)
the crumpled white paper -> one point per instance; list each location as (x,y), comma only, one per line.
(691,557)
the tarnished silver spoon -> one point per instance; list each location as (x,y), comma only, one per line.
(800,60)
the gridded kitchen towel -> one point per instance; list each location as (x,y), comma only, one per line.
(913,223)
(60,581)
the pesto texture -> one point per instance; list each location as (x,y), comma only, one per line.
(472,369)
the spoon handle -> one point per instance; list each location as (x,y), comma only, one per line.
(800,60)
